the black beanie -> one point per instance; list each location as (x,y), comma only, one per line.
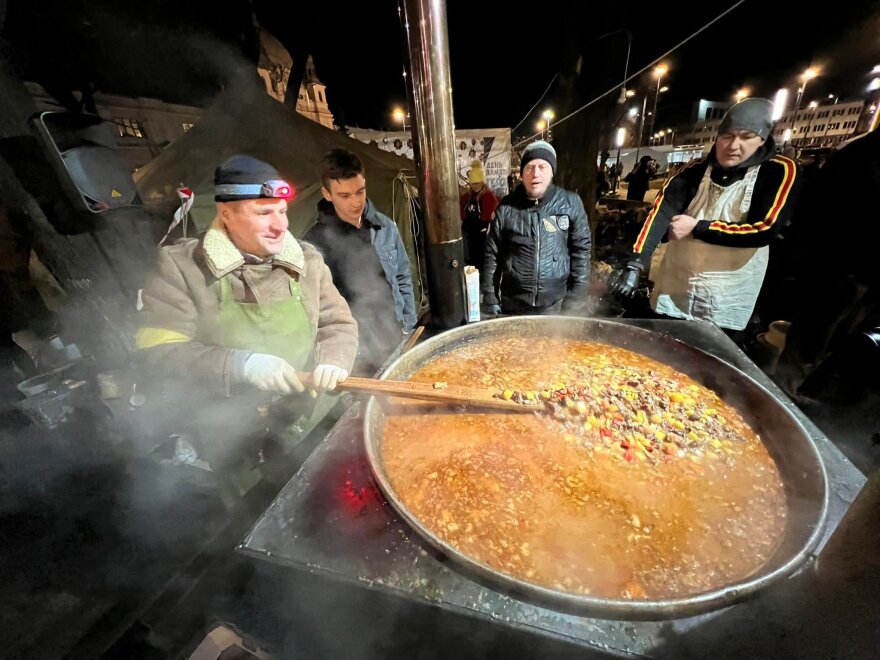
(245,170)
(538,149)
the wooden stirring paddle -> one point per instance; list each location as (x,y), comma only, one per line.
(438,392)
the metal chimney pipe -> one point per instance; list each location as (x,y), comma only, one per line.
(434,132)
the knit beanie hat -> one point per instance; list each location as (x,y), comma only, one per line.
(538,149)
(476,173)
(245,177)
(753,114)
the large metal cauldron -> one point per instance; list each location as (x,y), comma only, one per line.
(788,443)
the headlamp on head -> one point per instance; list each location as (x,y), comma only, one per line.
(273,189)
(277,188)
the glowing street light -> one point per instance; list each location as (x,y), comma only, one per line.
(541,125)
(660,70)
(548,116)
(742,94)
(806,77)
(620,138)
(400,116)
(779,104)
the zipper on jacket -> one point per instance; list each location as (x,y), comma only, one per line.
(537,260)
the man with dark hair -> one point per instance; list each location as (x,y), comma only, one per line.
(365,252)
(537,258)
(719,214)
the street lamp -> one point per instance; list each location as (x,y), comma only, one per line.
(400,116)
(548,116)
(779,102)
(624,92)
(541,125)
(620,139)
(660,71)
(742,94)
(806,77)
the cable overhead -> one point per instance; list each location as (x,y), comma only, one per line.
(637,73)
(541,98)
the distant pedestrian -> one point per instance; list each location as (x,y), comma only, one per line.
(615,171)
(639,179)
(477,205)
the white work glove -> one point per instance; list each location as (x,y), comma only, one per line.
(270,373)
(326,376)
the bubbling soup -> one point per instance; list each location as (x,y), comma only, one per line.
(633,481)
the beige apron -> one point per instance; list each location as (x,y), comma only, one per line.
(698,280)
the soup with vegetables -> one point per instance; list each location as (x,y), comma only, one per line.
(629,481)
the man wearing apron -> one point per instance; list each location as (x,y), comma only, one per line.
(719,214)
(240,311)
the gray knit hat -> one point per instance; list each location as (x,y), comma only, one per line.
(538,149)
(754,115)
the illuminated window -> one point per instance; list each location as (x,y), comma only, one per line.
(129,128)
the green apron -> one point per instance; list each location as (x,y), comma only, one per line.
(282,329)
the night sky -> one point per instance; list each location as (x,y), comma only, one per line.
(501,60)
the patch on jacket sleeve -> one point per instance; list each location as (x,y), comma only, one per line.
(562,221)
(549,226)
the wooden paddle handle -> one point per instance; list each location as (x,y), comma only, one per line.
(450,395)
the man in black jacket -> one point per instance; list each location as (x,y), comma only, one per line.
(719,214)
(537,257)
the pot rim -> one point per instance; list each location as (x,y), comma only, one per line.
(584,605)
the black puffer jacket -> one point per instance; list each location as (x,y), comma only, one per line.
(537,252)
